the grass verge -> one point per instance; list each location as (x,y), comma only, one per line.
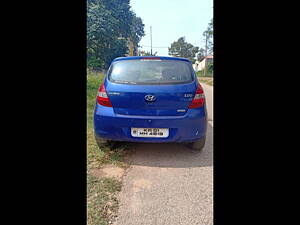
(101,200)
(207,80)
(101,196)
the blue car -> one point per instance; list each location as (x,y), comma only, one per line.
(151,99)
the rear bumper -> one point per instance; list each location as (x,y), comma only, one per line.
(188,128)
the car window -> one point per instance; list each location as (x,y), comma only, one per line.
(151,72)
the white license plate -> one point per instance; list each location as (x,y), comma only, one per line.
(150,132)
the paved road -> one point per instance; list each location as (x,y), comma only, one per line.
(169,184)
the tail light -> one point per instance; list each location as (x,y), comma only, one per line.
(199,98)
(102,97)
(153,58)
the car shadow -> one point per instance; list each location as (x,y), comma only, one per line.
(172,155)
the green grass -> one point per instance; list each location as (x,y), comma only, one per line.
(201,74)
(97,157)
(102,201)
(207,80)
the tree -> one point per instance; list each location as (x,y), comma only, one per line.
(201,54)
(110,25)
(208,36)
(136,31)
(144,53)
(210,67)
(181,48)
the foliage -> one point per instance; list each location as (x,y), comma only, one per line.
(94,63)
(144,53)
(202,74)
(137,31)
(95,157)
(110,25)
(208,34)
(101,199)
(208,72)
(210,67)
(102,203)
(181,48)
(201,54)
(206,80)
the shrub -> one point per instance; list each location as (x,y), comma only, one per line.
(209,72)
(94,64)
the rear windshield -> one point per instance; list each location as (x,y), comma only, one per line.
(151,72)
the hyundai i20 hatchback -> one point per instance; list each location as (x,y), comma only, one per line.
(151,99)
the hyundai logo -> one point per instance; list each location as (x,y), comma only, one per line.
(150,98)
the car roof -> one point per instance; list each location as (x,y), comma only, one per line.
(150,57)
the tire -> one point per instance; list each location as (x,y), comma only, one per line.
(198,145)
(100,141)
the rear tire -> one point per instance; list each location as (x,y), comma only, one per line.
(198,145)
(100,141)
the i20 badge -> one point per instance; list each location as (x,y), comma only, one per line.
(188,95)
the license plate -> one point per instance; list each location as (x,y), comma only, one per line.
(150,132)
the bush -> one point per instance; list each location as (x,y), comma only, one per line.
(94,64)
(209,71)
(201,73)
(210,67)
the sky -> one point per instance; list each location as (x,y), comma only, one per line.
(172,19)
